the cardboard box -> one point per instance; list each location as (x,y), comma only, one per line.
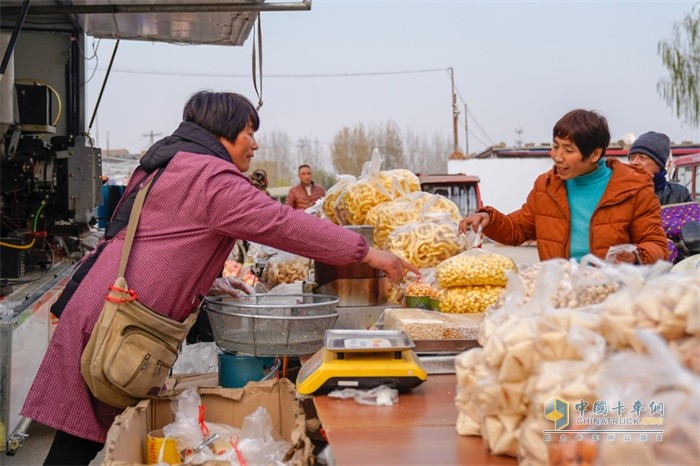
(125,445)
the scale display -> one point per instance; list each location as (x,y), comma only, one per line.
(362,359)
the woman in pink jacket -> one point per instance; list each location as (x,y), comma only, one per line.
(199,204)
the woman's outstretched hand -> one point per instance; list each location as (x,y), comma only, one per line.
(393,266)
(479,219)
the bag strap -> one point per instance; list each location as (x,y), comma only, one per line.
(131,232)
(131,227)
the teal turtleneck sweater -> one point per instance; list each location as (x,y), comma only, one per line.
(584,193)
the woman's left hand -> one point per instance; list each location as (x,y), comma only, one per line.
(230,286)
(625,257)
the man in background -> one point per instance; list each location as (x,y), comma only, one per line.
(650,151)
(306,193)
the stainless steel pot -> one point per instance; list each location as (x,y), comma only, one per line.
(356,284)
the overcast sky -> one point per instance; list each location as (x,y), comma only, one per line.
(516,65)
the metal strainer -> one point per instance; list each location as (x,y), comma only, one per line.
(271,324)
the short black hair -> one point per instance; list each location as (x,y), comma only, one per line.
(224,114)
(303,166)
(585,128)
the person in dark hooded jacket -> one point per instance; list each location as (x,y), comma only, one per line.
(199,204)
(650,151)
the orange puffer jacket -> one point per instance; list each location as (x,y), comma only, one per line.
(628,213)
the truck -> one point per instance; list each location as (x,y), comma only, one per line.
(686,171)
(460,188)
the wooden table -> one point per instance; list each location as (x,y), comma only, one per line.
(418,430)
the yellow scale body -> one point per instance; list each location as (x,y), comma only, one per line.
(362,359)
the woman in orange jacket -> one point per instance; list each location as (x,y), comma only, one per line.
(585,203)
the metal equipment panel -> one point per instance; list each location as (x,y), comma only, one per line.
(24,337)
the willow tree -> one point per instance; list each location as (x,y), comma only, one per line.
(681,56)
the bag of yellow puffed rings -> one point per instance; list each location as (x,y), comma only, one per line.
(373,187)
(388,216)
(474,267)
(332,195)
(428,241)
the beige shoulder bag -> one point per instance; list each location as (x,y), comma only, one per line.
(132,348)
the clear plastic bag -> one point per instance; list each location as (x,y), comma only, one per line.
(474,267)
(654,377)
(381,395)
(470,369)
(583,284)
(388,216)
(231,286)
(571,380)
(523,400)
(665,304)
(623,253)
(687,352)
(420,324)
(285,267)
(199,441)
(373,187)
(316,209)
(427,242)
(332,195)
(197,358)
(259,443)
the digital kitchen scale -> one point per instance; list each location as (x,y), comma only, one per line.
(362,359)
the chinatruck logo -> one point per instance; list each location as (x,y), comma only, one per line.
(557,410)
(604,419)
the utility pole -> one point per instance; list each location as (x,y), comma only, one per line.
(456,154)
(518,138)
(152,136)
(466,132)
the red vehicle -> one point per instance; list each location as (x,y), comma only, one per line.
(461,189)
(687,172)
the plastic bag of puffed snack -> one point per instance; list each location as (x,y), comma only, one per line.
(663,391)
(502,399)
(331,197)
(470,369)
(428,241)
(573,380)
(664,304)
(373,187)
(411,207)
(474,267)
(285,267)
(414,285)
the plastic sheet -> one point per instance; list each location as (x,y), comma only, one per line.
(377,396)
